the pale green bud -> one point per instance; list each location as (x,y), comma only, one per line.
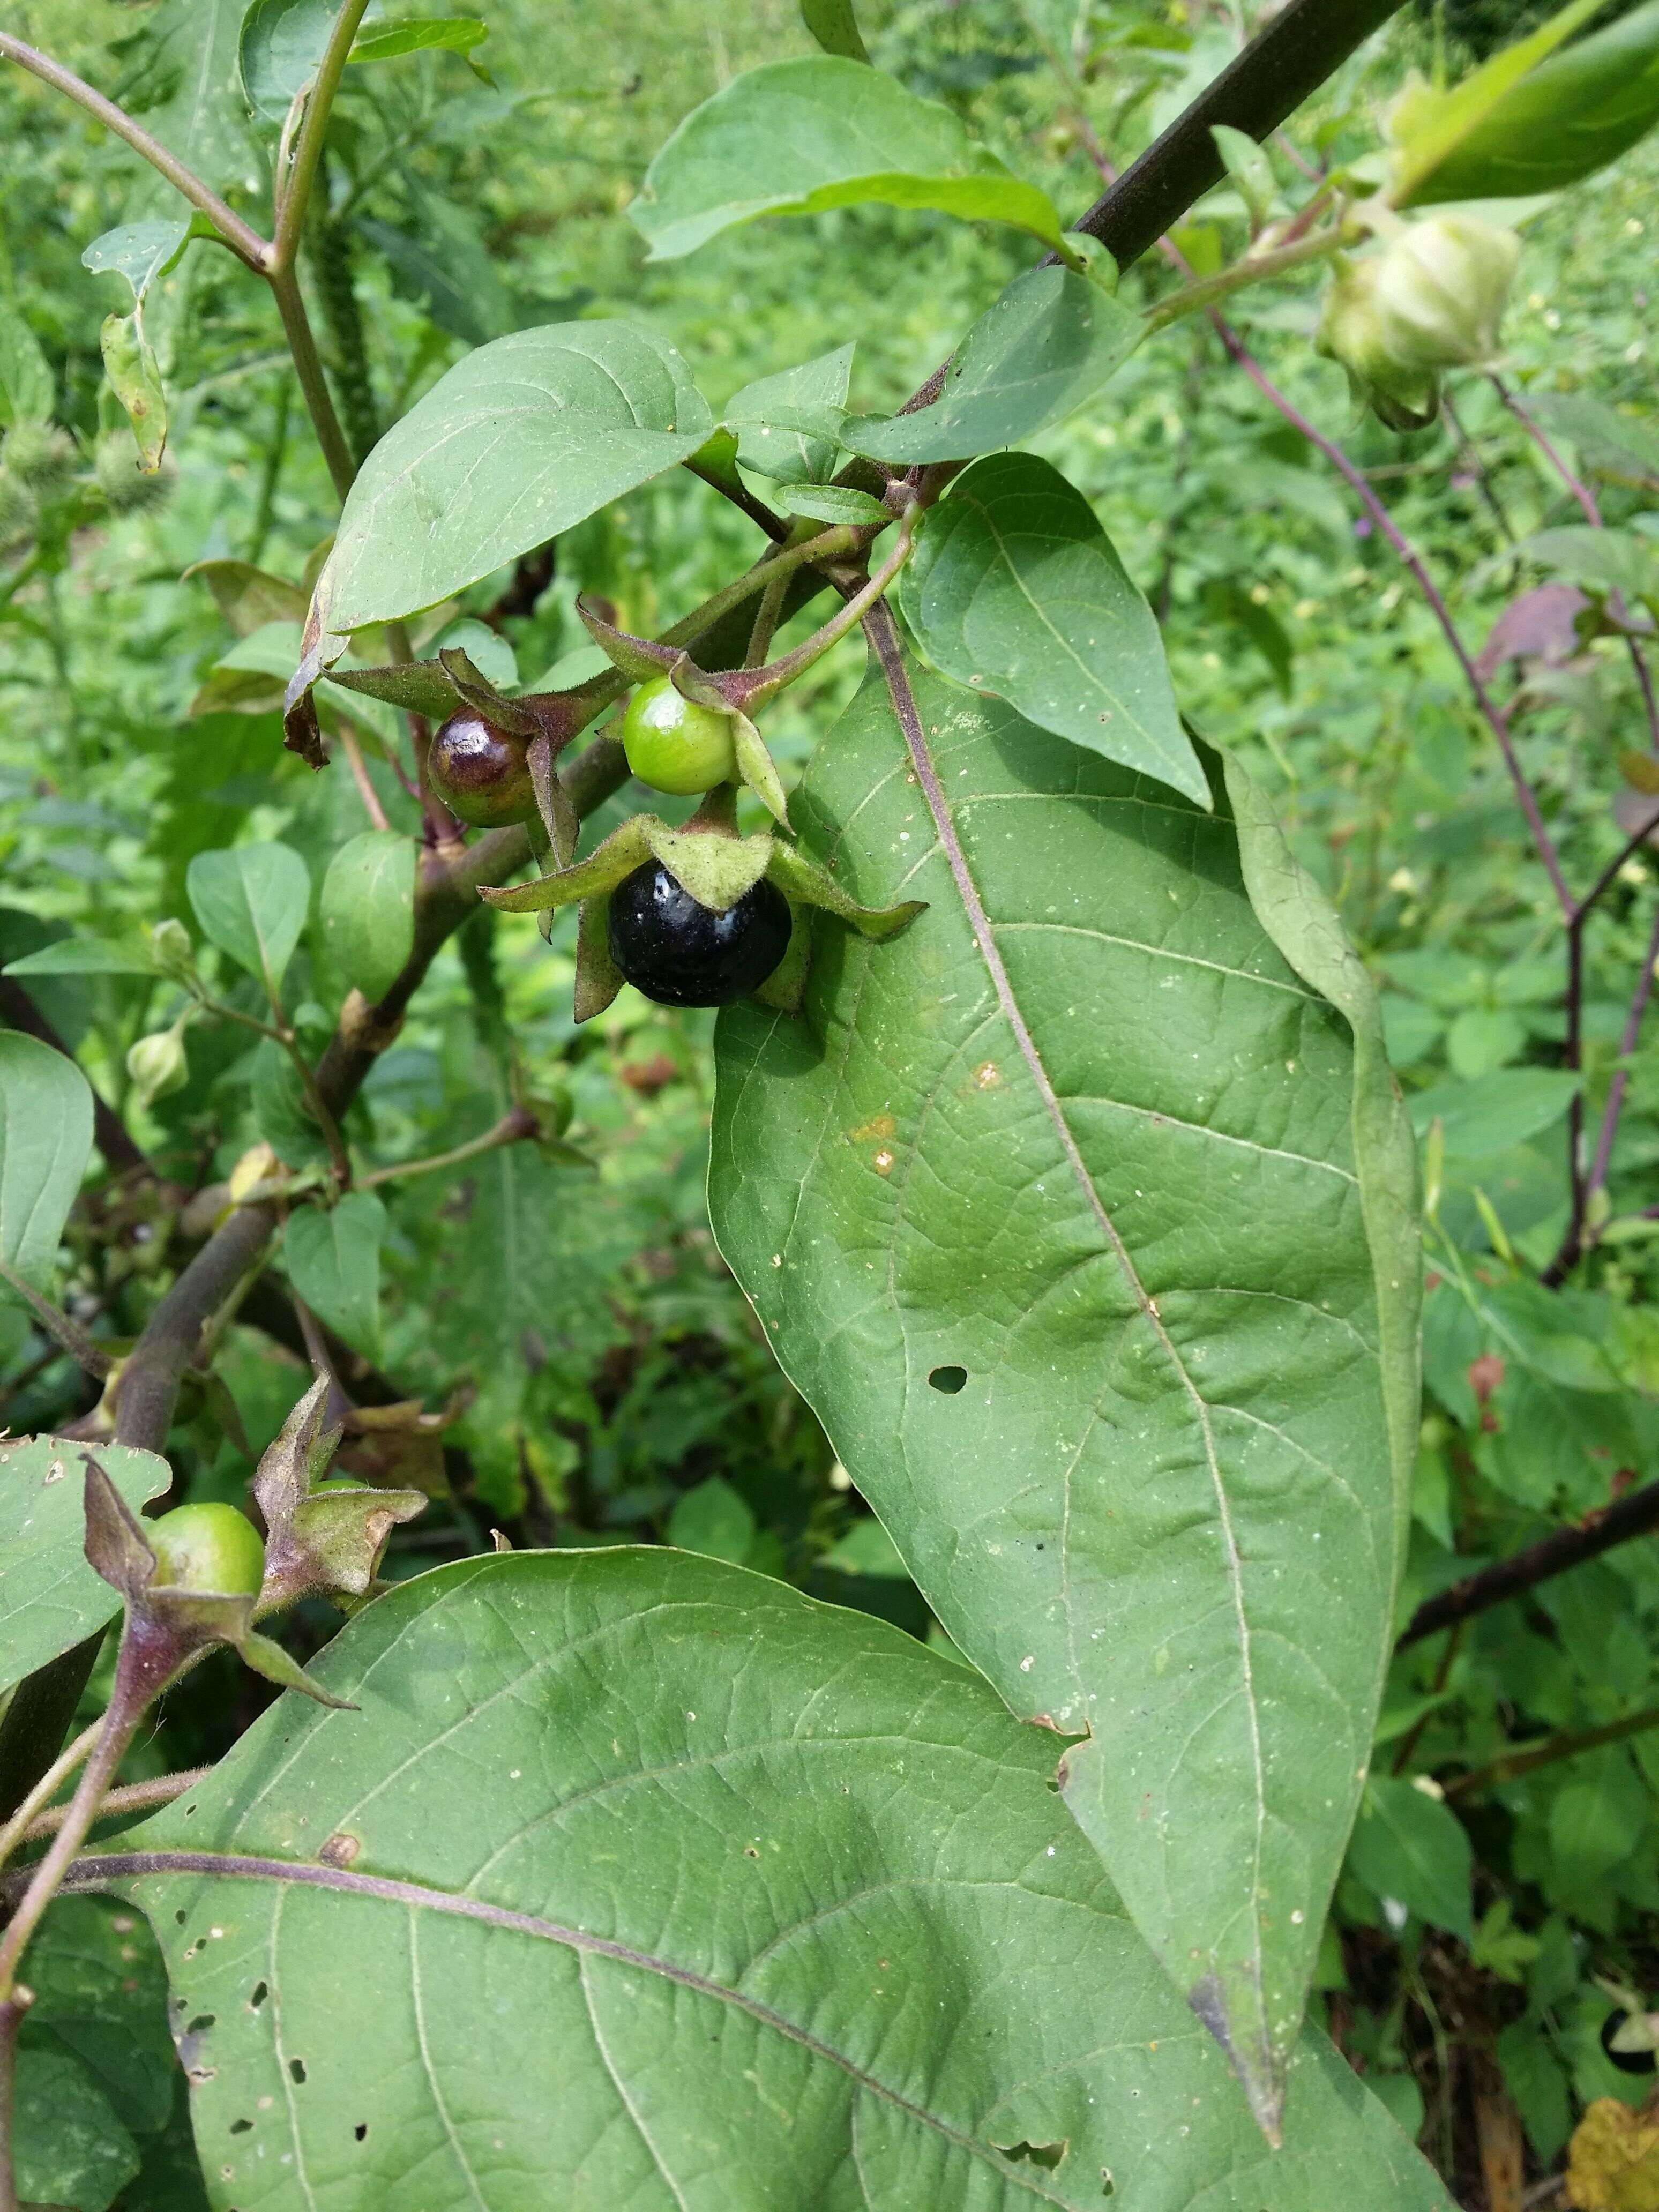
(169,942)
(1441,291)
(1352,332)
(157,1064)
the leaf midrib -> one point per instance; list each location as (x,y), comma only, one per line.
(884,640)
(105,1870)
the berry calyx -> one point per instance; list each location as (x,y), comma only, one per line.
(674,744)
(682,954)
(208,1547)
(481,772)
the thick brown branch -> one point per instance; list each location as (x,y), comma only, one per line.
(1634,1514)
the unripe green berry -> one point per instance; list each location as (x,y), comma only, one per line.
(674,744)
(157,1064)
(208,1549)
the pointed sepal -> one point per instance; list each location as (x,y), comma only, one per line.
(786,986)
(324,1541)
(599,979)
(267,1657)
(622,851)
(758,770)
(803,881)
(116,1546)
(717,870)
(640,659)
(476,691)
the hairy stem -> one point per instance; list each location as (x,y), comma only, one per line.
(133,1797)
(58,1325)
(294,189)
(513,1128)
(33,1806)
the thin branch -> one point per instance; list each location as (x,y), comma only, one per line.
(365,791)
(1636,1514)
(33,1807)
(1251,268)
(1568,1745)
(1632,1030)
(87,1355)
(131,1797)
(243,241)
(295,186)
(1407,553)
(513,1128)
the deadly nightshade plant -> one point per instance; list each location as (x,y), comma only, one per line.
(1054,1145)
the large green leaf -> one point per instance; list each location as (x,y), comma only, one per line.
(642,1880)
(46,1141)
(1036,354)
(100,1991)
(1577,111)
(72,2151)
(796,137)
(519,440)
(280,50)
(1054,1208)
(1015,588)
(50,1598)
(182,74)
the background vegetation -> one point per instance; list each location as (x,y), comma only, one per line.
(604,1375)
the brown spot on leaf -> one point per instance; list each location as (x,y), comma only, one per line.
(339,1850)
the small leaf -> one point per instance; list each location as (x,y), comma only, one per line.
(84,956)
(248,598)
(836,503)
(1496,1112)
(799,137)
(1252,172)
(1035,355)
(517,442)
(367,909)
(25,387)
(1015,588)
(1564,119)
(788,426)
(280,52)
(50,1597)
(713,1519)
(384,41)
(46,1141)
(333,1258)
(833,24)
(131,366)
(1409,1846)
(140,252)
(251,901)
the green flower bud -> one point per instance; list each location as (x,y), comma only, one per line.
(169,942)
(157,1064)
(37,455)
(123,483)
(1350,331)
(1441,291)
(19,511)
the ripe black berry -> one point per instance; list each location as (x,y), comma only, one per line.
(480,772)
(681,954)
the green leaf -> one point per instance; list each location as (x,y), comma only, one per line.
(384,41)
(182,76)
(634,1818)
(1429,127)
(135,379)
(251,598)
(82,956)
(713,1520)
(50,1598)
(71,2149)
(25,387)
(280,52)
(796,138)
(367,909)
(1014,588)
(1056,1211)
(1564,119)
(281,1111)
(140,252)
(461,291)
(1486,1117)
(1036,354)
(517,442)
(1409,1846)
(46,1141)
(252,903)
(1610,442)
(333,1258)
(834,26)
(101,1990)
(1600,560)
(836,503)
(788,426)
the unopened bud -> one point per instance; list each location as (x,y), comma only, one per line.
(1442,289)
(1352,332)
(123,483)
(157,1064)
(169,942)
(37,455)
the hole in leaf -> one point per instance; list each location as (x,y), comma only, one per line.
(296,2066)
(1048,2156)
(950,1380)
(1108,2187)
(240,2127)
(203,2021)
(179,1915)
(361,2129)
(261,1991)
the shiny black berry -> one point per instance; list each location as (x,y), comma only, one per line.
(481,773)
(680,954)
